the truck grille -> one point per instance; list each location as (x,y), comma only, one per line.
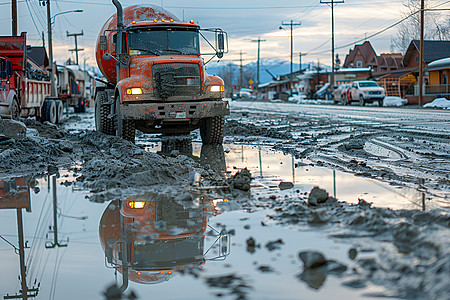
(176,79)
(375,93)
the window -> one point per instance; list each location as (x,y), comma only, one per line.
(368,84)
(444,79)
(359,64)
(163,41)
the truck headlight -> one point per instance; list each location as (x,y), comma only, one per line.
(217,88)
(136,204)
(134,91)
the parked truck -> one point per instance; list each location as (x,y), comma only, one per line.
(22,92)
(156,76)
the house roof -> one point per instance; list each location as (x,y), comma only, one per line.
(432,50)
(439,64)
(38,55)
(366,51)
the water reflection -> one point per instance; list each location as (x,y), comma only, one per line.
(147,238)
(15,194)
(212,155)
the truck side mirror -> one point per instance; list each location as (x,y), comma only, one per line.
(220,43)
(9,68)
(3,75)
(103,43)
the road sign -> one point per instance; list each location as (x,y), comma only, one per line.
(250,81)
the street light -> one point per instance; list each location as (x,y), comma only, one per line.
(50,21)
(64,12)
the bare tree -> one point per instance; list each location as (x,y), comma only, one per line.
(437,26)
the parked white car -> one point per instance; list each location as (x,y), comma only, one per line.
(367,92)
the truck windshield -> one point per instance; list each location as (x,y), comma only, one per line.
(368,84)
(163,41)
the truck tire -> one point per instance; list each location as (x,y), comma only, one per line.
(103,123)
(59,111)
(214,156)
(125,129)
(362,102)
(15,110)
(49,111)
(380,103)
(211,130)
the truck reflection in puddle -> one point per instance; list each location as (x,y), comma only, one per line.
(15,194)
(147,238)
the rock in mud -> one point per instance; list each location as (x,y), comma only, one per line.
(274,245)
(12,129)
(241,180)
(312,259)
(285,185)
(66,146)
(317,196)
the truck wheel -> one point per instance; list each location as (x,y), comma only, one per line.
(211,130)
(126,129)
(380,103)
(214,156)
(59,111)
(15,110)
(362,102)
(103,123)
(49,111)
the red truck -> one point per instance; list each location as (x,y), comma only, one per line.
(20,94)
(156,76)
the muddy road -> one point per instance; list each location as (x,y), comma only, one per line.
(301,202)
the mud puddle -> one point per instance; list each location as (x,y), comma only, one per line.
(269,168)
(190,247)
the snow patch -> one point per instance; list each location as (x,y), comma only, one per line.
(394,101)
(440,103)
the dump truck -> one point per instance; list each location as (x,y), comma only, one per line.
(156,78)
(24,86)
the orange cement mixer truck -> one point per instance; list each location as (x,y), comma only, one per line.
(156,78)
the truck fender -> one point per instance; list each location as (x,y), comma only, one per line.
(11,96)
(6,107)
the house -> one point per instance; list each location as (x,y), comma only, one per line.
(360,57)
(433,54)
(386,63)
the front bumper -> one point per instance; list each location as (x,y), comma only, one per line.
(175,110)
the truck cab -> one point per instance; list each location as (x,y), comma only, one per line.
(367,92)
(157,78)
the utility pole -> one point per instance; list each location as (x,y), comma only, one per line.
(14,17)
(76,50)
(240,70)
(332,2)
(259,40)
(50,48)
(300,61)
(55,220)
(422,25)
(291,24)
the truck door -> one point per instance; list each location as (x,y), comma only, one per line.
(354,91)
(4,86)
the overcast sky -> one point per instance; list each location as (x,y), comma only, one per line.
(244,20)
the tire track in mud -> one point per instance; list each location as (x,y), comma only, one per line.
(328,141)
